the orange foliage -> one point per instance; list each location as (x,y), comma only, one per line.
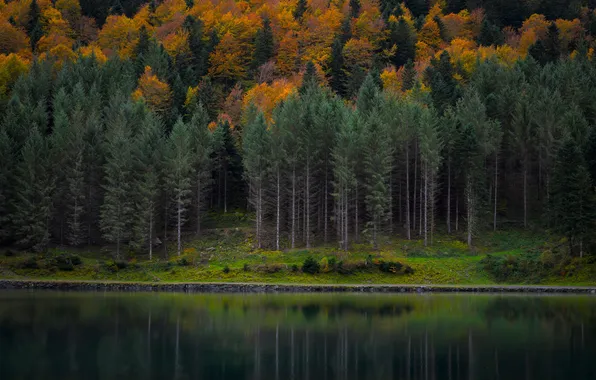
(119,34)
(89,50)
(267,96)
(228,61)
(287,54)
(12,40)
(176,43)
(47,43)
(536,23)
(569,31)
(358,52)
(430,34)
(156,93)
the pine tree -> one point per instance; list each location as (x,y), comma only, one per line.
(6,180)
(277,158)
(571,203)
(202,145)
(34,185)
(404,38)
(310,78)
(34,29)
(336,68)
(178,161)
(198,47)
(369,97)
(490,34)
(117,207)
(408,78)
(256,143)
(149,155)
(355,8)
(377,166)
(263,47)
(443,86)
(301,7)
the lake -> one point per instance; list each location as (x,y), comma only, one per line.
(54,335)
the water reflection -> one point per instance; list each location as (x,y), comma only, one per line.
(312,336)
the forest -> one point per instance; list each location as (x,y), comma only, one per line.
(331,122)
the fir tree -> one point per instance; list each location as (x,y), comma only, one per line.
(301,7)
(336,68)
(355,8)
(263,48)
(178,161)
(571,197)
(408,78)
(34,29)
(403,38)
(256,142)
(34,185)
(117,206)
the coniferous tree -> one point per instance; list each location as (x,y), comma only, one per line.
(6,173)
(408,77)
(572,202)
(404,38)
(301,7)
(263,48)
(149,156)
(336,68)
(277,157)
(256,142)
(355,8)
(117,206)
(34,29)
(197,45)
(202,145)
(34,185)
(178,161)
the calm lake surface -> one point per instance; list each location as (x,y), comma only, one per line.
(51,335)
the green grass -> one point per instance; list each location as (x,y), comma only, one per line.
(447,261)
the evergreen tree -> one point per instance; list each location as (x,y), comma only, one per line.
(149,156)
(443,86)
(571,197)
(355,8)
(34,29)
(301,7)
(310,78)
(408,78)
(202,145)
(6,173)
(369,97)
(263,50)
(34,185)
(256,143)
(117,206)
(277,159)
(198,48)
(403,38)
(490,34)
(377,166)
(178,161)
(336,68)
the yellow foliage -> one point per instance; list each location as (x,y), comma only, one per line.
(11,67)
(537,23)
(47,43)
(266,96)
(156,93)
(392,80)
(12,40)
(176,43)
(287,54)
(119,34)
(87,51)
(423,51)
(527,39)
(569,31)
(358,52)
(228,60)
(430,34)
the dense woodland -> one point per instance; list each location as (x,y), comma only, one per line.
(123,123)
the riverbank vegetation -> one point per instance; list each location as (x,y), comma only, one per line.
(342,130)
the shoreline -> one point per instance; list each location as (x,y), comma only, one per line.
(231,287)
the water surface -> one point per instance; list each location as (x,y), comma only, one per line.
(51,335)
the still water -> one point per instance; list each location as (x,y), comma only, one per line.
(51,335)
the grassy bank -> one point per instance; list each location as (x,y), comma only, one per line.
(227,255)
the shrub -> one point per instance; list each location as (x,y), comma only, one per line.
(349,267)
(390,266)
(294,268)
(226,269)
(332,263)
(324,265)
(184,262)
(66,261)
(30,263)
(121,264)
(408,270)
(269,268)
(246,267)
(310,266)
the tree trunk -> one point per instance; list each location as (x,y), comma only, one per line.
(307,207)
(293,208)
(325,206)
(496,190)
(415,182)
(151,236)
(408,193)
(449,196)
(277,213)
(525,195)
(199,204)
(470,209)
(356,237)
(179,222)
(425,204)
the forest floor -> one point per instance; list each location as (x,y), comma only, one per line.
(226,254)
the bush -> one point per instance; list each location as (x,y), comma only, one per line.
(522,268)
(246,267)
(294,268)
(184,262)
(269,268)
(310,266)
(390,266)
(66,261)
(324,265)
(333,263)
(30,263)
(226,269)
(408,270)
